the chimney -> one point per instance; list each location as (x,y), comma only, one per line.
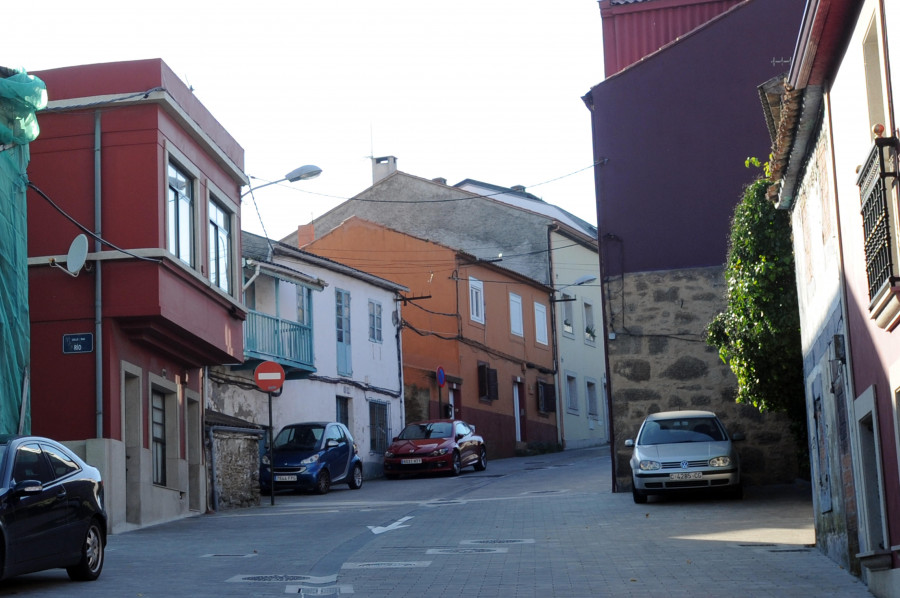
(306,234)
(383,167)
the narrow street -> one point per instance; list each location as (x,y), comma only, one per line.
(546,525)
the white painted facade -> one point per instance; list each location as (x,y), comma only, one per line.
(367,397)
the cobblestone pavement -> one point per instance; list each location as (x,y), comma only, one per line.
(537,526)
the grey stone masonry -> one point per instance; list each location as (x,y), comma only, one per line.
(659,361)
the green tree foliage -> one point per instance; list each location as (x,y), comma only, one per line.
(758,334)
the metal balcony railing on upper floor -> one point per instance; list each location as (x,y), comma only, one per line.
(267,337)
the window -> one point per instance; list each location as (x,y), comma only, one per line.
(219,246)
(515,315)
(304,305)
(61,462)
(180,213)
(571,393)
(342,405)
(31,465)
(568,325)
(476,300)
(488,389)
(342,328)
(876,180)
(540,323)
(590,333)
(546,397)
(374,321)
(591,392)
(158,432)
(378,426)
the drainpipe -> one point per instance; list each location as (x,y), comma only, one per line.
(252,278)
(560,420)
(212,455)
(598,181)
(98,281)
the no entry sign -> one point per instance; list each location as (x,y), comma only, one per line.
(269,376)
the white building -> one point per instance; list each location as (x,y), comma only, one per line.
(335,331)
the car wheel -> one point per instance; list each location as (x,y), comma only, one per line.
(455,465)
(481,464)
(356,478)
(638,496)
(323,482)
(91,563)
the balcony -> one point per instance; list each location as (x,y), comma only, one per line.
(268,338)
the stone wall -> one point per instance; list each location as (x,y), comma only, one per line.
(237,470)
(659,361)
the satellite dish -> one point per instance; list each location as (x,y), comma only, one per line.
(77,254)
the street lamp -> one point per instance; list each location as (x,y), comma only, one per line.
(304,173)
(578,282)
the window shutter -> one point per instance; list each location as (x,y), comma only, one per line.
(488,387)
(546,397)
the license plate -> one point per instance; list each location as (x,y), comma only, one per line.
(410,461)
(694,475)
(285,478)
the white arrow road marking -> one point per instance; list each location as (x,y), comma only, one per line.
(391,527)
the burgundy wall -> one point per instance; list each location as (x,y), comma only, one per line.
(676,129)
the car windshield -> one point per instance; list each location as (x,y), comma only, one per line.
(422,431)
(299,438)
(688,429)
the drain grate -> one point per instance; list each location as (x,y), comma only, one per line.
(499,541)
(466,550)
(271,578)
(387,565)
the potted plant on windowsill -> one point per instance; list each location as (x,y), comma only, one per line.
(590,332)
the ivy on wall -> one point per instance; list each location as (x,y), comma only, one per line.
(758,333)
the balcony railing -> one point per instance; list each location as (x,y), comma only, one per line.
(874,190)
(270,338)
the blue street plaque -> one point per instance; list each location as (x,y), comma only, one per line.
(78,343)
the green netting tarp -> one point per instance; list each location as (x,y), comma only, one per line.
(20,96)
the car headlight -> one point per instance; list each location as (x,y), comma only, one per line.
(265,460)
(649,465)
(720,462)
(439,452)
(388,454)
(310,460)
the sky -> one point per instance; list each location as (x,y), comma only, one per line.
(482,89)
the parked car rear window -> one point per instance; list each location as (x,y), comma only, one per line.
(432,430)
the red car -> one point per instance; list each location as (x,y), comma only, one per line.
(438,445)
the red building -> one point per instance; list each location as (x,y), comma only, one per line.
(129,155)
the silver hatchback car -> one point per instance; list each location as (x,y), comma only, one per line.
(683,450)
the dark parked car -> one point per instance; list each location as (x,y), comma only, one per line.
(683,450)
(51,510)
(312,456)
(437,445)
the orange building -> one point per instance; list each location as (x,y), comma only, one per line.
(486,327)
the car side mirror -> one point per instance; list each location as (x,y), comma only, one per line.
(28,487)
(629,443)
(331,443)
(737,436)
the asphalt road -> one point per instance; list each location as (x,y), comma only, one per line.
(532,526)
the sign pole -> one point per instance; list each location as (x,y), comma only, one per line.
(271,452)
(269,377)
